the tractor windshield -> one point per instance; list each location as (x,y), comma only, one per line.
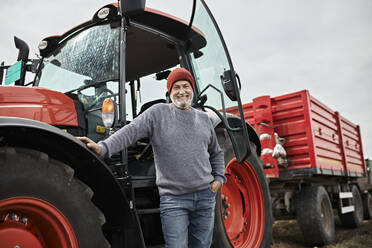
(90,56)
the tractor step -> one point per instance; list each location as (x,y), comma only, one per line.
(345,205)
(347,209)
(143,182)
(344,195)
(148,211)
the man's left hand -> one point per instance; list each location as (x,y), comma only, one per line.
(215,186)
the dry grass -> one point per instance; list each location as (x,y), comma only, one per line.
(287,234)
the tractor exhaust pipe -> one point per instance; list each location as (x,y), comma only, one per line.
(23,49)
(1,72)
(22,55)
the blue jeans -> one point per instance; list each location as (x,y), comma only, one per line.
(187,220)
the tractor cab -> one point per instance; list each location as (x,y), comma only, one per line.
(128,60)
(85,65)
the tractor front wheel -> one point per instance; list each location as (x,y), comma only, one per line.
(42,204)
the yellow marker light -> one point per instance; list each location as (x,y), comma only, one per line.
(108,111)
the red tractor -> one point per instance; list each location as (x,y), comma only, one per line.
(93,80)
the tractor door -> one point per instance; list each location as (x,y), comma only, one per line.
(216,78)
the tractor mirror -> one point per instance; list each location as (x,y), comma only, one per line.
(228,85)
(132,7)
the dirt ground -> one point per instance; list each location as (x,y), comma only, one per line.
(287,233)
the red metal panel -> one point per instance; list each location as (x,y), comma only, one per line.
(353,147)
(361,149)
(291,122)
(309,135)
(316,136)
(325,128)
(39,104)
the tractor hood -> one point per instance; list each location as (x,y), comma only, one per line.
(38,104)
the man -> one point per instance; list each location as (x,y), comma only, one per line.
(188,160)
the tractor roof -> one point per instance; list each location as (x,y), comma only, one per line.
(173,26)
(148,52)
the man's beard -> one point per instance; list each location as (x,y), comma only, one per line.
(182,105)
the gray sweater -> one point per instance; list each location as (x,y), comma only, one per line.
(186,152)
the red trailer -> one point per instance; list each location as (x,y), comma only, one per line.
(314,159)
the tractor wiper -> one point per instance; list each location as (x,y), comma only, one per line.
(89,84)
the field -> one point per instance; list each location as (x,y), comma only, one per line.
(287,234)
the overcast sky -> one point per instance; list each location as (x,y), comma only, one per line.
(277,46)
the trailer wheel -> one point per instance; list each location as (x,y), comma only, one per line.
(353,219)
(367,206)
(243,206)
(315,215)
(43,205)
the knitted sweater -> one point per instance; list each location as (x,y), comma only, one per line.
(186,152)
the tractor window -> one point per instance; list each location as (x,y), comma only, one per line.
(209,67)
(88,57)
(148,92)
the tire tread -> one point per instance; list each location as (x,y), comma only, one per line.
(308,211)
(66,192)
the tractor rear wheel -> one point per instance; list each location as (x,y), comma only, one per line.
(353,219)
(367,206)
(243,206)
(43,205)
(315,215)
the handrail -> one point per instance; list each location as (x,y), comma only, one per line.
(223,118)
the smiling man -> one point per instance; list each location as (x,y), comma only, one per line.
(188,160)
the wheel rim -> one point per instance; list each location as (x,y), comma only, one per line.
(242,206)
(30,222)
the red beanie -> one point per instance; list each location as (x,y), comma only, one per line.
(179,74)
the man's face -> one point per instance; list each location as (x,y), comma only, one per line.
(181,94)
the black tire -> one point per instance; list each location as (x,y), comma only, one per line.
(29,174)
(220,236)
(367,206)
(315,215)
(353,219)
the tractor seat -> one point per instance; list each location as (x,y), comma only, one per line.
(149,104)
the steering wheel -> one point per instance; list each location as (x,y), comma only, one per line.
(95,100)
(112,95)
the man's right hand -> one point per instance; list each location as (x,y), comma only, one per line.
(91,145)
